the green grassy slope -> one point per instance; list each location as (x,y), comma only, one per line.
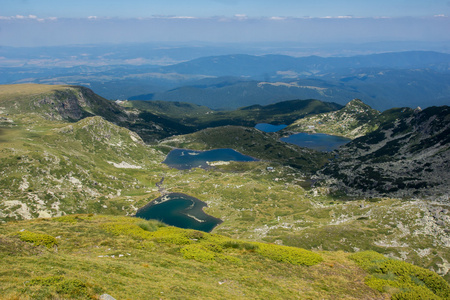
(57,102)
(51,167)
(170,109)
(84,256)
(73,103)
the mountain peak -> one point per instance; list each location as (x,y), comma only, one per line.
(357,103)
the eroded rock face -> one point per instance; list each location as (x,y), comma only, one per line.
(74,103)
(409,155)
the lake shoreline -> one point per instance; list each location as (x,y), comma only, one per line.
(184,159)
(184,214)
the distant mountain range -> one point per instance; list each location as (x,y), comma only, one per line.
(275,65)
(401,79)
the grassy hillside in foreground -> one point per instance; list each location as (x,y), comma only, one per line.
(252,142)
(84,256)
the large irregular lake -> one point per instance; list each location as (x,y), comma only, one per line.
(316,141)
(269,127)
(179,210)
(183,159)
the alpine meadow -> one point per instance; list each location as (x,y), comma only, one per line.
(224,150)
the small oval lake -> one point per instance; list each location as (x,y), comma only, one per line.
(316,141)
(269,127)
(183,159)
(179,210)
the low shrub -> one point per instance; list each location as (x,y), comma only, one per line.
(240,245)
(66,219)
(198,252)
(207,253)
(415,293)
(213,247)
(171,235)
(67,287)
(195,234)
(148,226)
(128,229)
(412,282)
(292,255)
(38,239)
(45,281)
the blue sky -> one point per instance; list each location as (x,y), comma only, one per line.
(62,22)
(209,8)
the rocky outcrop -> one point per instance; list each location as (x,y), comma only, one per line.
(73,103)
(354,120)
(408,156)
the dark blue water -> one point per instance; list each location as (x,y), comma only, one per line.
(183,159)
(179,210)
(269,127)
(316,141)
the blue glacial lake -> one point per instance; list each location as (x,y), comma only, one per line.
(269,127)
(183,159)
(316,141)
(179,210)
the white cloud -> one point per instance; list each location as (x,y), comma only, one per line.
(29,17)
(183,17)
(277,18)
(92,17)
(240,16)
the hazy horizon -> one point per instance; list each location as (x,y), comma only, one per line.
(34,23)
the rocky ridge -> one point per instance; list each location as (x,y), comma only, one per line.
(409,155)
(73,103)
(354,120)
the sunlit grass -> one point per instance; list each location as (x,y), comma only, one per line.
(91,260)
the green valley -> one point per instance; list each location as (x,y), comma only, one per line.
(295,223)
